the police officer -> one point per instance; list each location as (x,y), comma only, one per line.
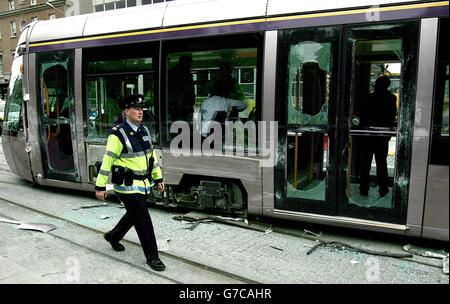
(135,170)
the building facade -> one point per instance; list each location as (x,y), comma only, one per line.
(14,16)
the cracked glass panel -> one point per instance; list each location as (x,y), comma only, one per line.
(58,113)
(307,141)
(306,111)
(380,118)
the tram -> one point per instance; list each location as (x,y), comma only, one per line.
(309,66)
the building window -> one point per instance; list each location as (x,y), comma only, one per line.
(33,2)
(13,52)
(13,29)
(144,2)
(11,5)
(120,4)
(109,6)
(51,16)
(131,3)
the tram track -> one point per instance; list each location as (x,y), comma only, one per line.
(190,263)
(199,265)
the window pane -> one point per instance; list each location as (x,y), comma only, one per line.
(109,6)
(109,79)
(57,112)
(13,112)
(131,3)
(204,84)
(309,79)
(120,4)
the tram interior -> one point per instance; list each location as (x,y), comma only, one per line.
(233,71)
(373,59)
(57,116)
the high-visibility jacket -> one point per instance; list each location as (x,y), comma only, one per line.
(133,150)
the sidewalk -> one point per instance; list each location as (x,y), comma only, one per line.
(265,258)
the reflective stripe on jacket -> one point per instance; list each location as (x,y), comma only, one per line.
(133,150)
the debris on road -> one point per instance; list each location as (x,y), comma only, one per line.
(428,254)
(91,206)
(36,227)
(163,245)
(341,245)
(29,226)
(201,217)
(277,248)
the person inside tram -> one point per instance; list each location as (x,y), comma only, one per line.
(222,104)
(181,90)
(379,111)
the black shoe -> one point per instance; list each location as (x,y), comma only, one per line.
(156,265)
(115,245)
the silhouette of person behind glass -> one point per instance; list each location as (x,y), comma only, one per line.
(378,112)
(181,90)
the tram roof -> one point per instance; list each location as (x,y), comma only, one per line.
(183,12)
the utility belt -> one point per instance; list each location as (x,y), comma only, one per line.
(121,175)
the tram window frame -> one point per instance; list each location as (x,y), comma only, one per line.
(216,43)
(149,52)
(439,140)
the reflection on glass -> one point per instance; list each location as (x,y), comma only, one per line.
(440,135)
(373,112)
(213,85)
(109,80)
(56,88)
(307,141)
(12,118)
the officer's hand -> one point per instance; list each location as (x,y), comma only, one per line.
(101,195)
(161,187)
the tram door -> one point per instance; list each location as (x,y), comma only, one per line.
(377,121)
(57,115)
(306,172)
(345,151)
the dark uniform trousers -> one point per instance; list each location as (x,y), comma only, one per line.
(380,147)
(137,215)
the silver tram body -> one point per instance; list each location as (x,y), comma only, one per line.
(356,37)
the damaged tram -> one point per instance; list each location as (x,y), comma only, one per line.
(309,66)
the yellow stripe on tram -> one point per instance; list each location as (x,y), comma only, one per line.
(252,21)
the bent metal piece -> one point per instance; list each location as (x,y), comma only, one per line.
(36,227)
(29,226)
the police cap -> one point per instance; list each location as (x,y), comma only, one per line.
(135,101)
